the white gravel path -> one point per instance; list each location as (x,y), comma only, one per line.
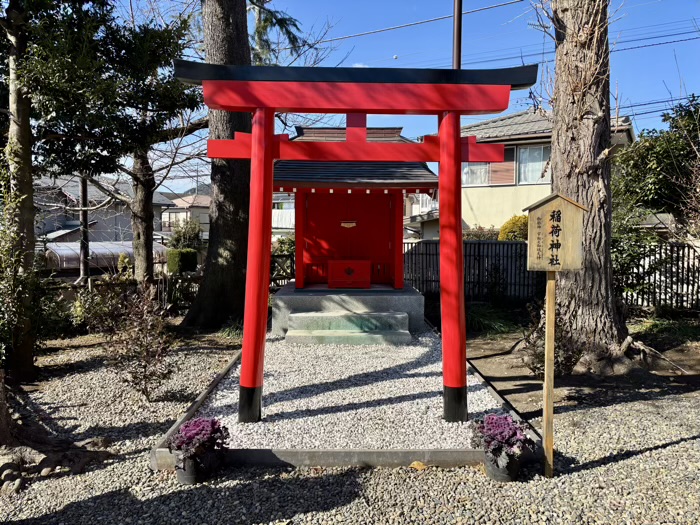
(350,397)
(627,455)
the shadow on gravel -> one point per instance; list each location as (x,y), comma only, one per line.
(260,496)
(565,464)
(622,456)
(587,392)
(47,372)
(391,373)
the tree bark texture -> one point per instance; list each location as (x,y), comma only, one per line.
(6,437)
(19,159)
(221,295)
(589,314)
(142,217)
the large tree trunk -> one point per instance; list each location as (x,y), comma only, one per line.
(588,312)
(6,437)
(222,292)
(19,159)
(142,217)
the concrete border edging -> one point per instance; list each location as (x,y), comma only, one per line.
(160,457)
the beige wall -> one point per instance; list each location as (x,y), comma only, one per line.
(493,205)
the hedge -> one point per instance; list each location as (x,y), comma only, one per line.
(180,261)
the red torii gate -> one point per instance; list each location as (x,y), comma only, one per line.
(355,92)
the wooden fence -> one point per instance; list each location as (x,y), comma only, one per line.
(493,270)
(667,275)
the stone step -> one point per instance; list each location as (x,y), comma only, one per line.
(353,321)
(349,337)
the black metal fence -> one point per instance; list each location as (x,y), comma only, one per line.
(493,270)
(282,270)
(667,275)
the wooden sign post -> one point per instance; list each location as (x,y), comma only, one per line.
(555,243)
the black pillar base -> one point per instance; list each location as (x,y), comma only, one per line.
(249,404)
(454,404)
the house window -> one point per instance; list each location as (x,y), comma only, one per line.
(532,162)
(475,173)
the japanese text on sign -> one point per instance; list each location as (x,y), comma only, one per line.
(554,232)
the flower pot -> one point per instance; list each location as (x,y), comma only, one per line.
(198,468)
(502,474)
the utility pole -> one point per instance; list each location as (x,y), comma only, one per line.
(457,36)
(84,233)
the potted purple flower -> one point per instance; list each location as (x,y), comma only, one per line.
(199,444)
(503,440)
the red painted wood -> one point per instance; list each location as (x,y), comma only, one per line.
(429,151)
(299,222)
(356,124)
(351,273)
(348,97)
(370,238)
(326,187)
(397,243)
(454,335)
(259,234)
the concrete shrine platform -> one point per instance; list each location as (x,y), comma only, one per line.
(320,298)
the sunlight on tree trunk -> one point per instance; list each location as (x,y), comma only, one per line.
(590,318)
(222,292)
(19,160)
(144,184)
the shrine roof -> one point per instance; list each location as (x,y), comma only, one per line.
(305,174)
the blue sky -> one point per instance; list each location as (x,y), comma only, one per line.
(646,70)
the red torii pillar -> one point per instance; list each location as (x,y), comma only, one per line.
(257,284)
(452,313)
(446,93)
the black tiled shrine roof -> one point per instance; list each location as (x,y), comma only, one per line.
(353,174)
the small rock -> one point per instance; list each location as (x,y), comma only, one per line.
(17,485)
(10,475)
(46,472)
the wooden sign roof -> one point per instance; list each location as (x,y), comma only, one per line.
(551,197)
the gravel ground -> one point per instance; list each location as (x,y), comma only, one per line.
(628,457)
(357,397)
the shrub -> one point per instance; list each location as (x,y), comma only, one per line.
(182,260)
(124,265)
(514,229)
(285,245)
(186,234)
(100,309)
(142,344)
(56,318)
(479,234)
(568,352)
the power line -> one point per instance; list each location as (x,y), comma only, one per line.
(551,52)
(419,22)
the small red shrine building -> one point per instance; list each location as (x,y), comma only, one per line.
(349,215)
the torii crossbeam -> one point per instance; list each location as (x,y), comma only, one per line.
(356,92)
